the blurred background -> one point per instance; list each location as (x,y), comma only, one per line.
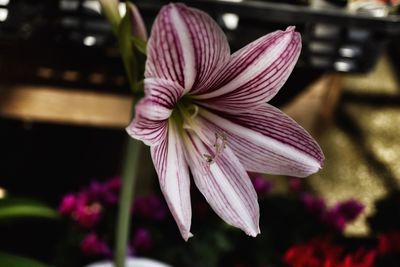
(64,102)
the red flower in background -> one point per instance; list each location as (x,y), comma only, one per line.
(316,253)
(322,253)
(361,258)
(389,243)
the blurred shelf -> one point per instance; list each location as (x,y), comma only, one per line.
(79,107)
(66,106)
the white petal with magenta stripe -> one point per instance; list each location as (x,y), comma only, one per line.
(149,124)
(172,169)
(255,73)
(267,141)
(225,184)
(185,46)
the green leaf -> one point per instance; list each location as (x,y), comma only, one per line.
(19,208)
(140,44)
(9,260)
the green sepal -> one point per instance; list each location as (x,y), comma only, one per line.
(140,44)
(110,10)
(126,50)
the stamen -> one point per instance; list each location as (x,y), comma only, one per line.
(209,158)
(219,145)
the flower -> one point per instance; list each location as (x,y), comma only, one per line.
(360,258)
(92,245)
(389,243)
(68,204)
(261,185)
(349,209)
(316,253)
(88,215)
(150,207)
(320,252)
(142,240)
(294,184)
(205,110)
(337,216)
(342,213)
(314,205)
(106,192)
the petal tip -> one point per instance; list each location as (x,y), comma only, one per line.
(253,232)
(291,28)
(186,236)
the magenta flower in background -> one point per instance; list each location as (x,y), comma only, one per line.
(294,184)
(314,205)
(150,207)
(342,213)
(88,215)
(205,111)
(349,209)
(142,240)
(106,192)
(337,216)
(68,204)
(114,184)
(92,245)
(261,185)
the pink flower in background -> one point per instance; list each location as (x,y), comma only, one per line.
(88,215)
(92,245)
(205,110)
(86,207)
(67,206)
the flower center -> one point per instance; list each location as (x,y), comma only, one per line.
(186,118)
(186,113)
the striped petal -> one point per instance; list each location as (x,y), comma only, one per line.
(267,141)
(224,183)
(255,73)
(172,169)
(185,46)
(152,112)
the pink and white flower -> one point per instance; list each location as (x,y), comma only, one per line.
(205,112)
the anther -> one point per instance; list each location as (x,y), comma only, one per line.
(219,145)
(209,158)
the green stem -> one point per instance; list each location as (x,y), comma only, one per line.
(129,174)
(132,157)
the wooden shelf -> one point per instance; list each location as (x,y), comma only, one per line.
(66,106)
(79,107)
